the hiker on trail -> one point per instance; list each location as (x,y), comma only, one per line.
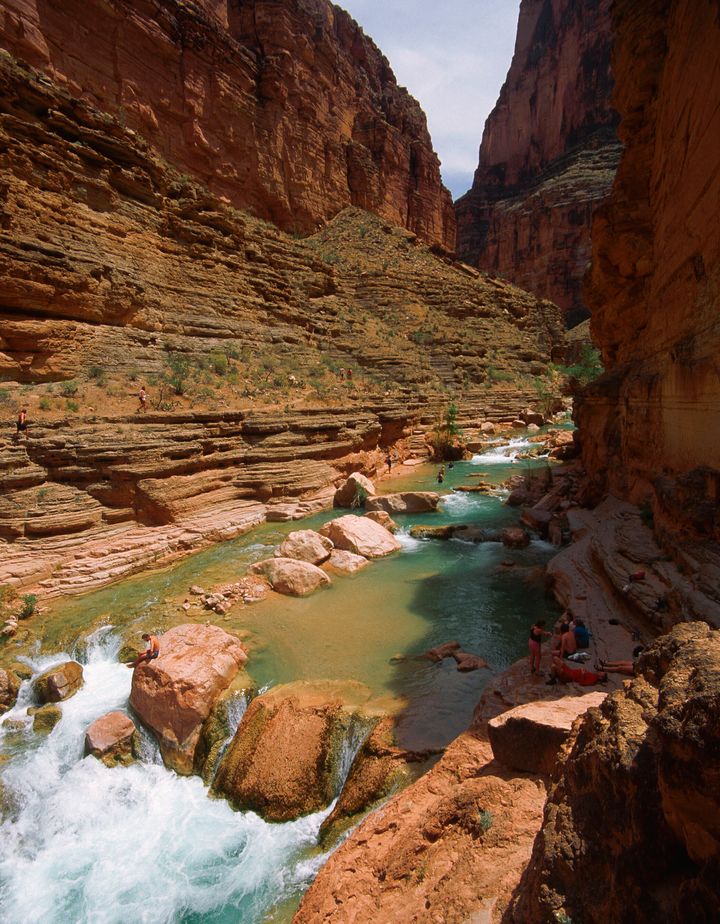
(151,652)
(537,630)
(388,462)
(21,422)
(142,398)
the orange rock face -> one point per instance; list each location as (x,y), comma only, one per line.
(285,108)
(174,694)
(650,425)
(548,153)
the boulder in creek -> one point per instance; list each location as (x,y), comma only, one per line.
(529,737)
(174,694)
(285,758)
(446,650)
(354,491)
(292,577)
(113,739)
(384,519)
(45,718)
(59,682)
(467,662)
(9,686)
(346,562)
(361,536)
(433,532)
(305,545)
(514,537)
(404,502)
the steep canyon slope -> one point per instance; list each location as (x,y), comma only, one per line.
(285,108)
(548,154)
(118,269)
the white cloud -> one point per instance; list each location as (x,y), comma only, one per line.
(453,58)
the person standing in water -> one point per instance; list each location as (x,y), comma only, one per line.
(537,630)
(151,652)
(441,474)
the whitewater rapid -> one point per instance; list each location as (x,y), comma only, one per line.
(86,844)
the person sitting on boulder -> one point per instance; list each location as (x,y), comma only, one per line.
(568,645)
(151,652)
(566,674)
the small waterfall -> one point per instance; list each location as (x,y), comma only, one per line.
(409,543)
(502,455)
(357,735)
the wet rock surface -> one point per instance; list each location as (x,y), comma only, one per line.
(284,760)
(59,682)
(112,739)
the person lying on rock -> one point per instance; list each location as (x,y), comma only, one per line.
(151,652)
(623,667)
(566,674)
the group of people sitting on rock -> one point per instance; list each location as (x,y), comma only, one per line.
(569,641)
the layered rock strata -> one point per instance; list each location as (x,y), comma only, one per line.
(284,108)
(649,424)
(115,265)
(548,154)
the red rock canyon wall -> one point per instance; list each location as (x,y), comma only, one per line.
(285,108)
(650,426)
(548,153)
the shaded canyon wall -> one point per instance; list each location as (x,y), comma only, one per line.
(285,108)
(548,154)
(650,425)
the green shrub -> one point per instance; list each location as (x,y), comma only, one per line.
(44,404)
(587,368)
(72,406)
(446,438)
(68,389)
(178,371)
(4,396)
(219,363)
(97,374)
(486,821)
(29,605)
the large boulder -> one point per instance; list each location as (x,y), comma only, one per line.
(113,739)
(384,519)
(354,491)
(292,577)
(9,686)
(346,562)
(361,536)
(285,758)
(305,545)
(405,502)
(515,537)
(58,683)
(529,737)
(174,694)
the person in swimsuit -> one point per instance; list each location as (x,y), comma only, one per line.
(142,398)
(566,674)
(151,652)
(623,667)
(21,423)
(536,633)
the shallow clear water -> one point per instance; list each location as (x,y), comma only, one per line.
(92,844)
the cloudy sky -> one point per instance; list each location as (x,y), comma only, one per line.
(453,57)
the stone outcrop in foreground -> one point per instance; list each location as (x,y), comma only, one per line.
(632,825)
(286,108)
(174,694)
(649,425)
(548,154)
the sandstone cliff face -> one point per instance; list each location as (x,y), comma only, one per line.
(650,425)
(632,826)
(548,153)
(113,263)
(283,107)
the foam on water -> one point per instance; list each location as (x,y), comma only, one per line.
(409,543)
(85,843)
(459,503)
(503,454)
